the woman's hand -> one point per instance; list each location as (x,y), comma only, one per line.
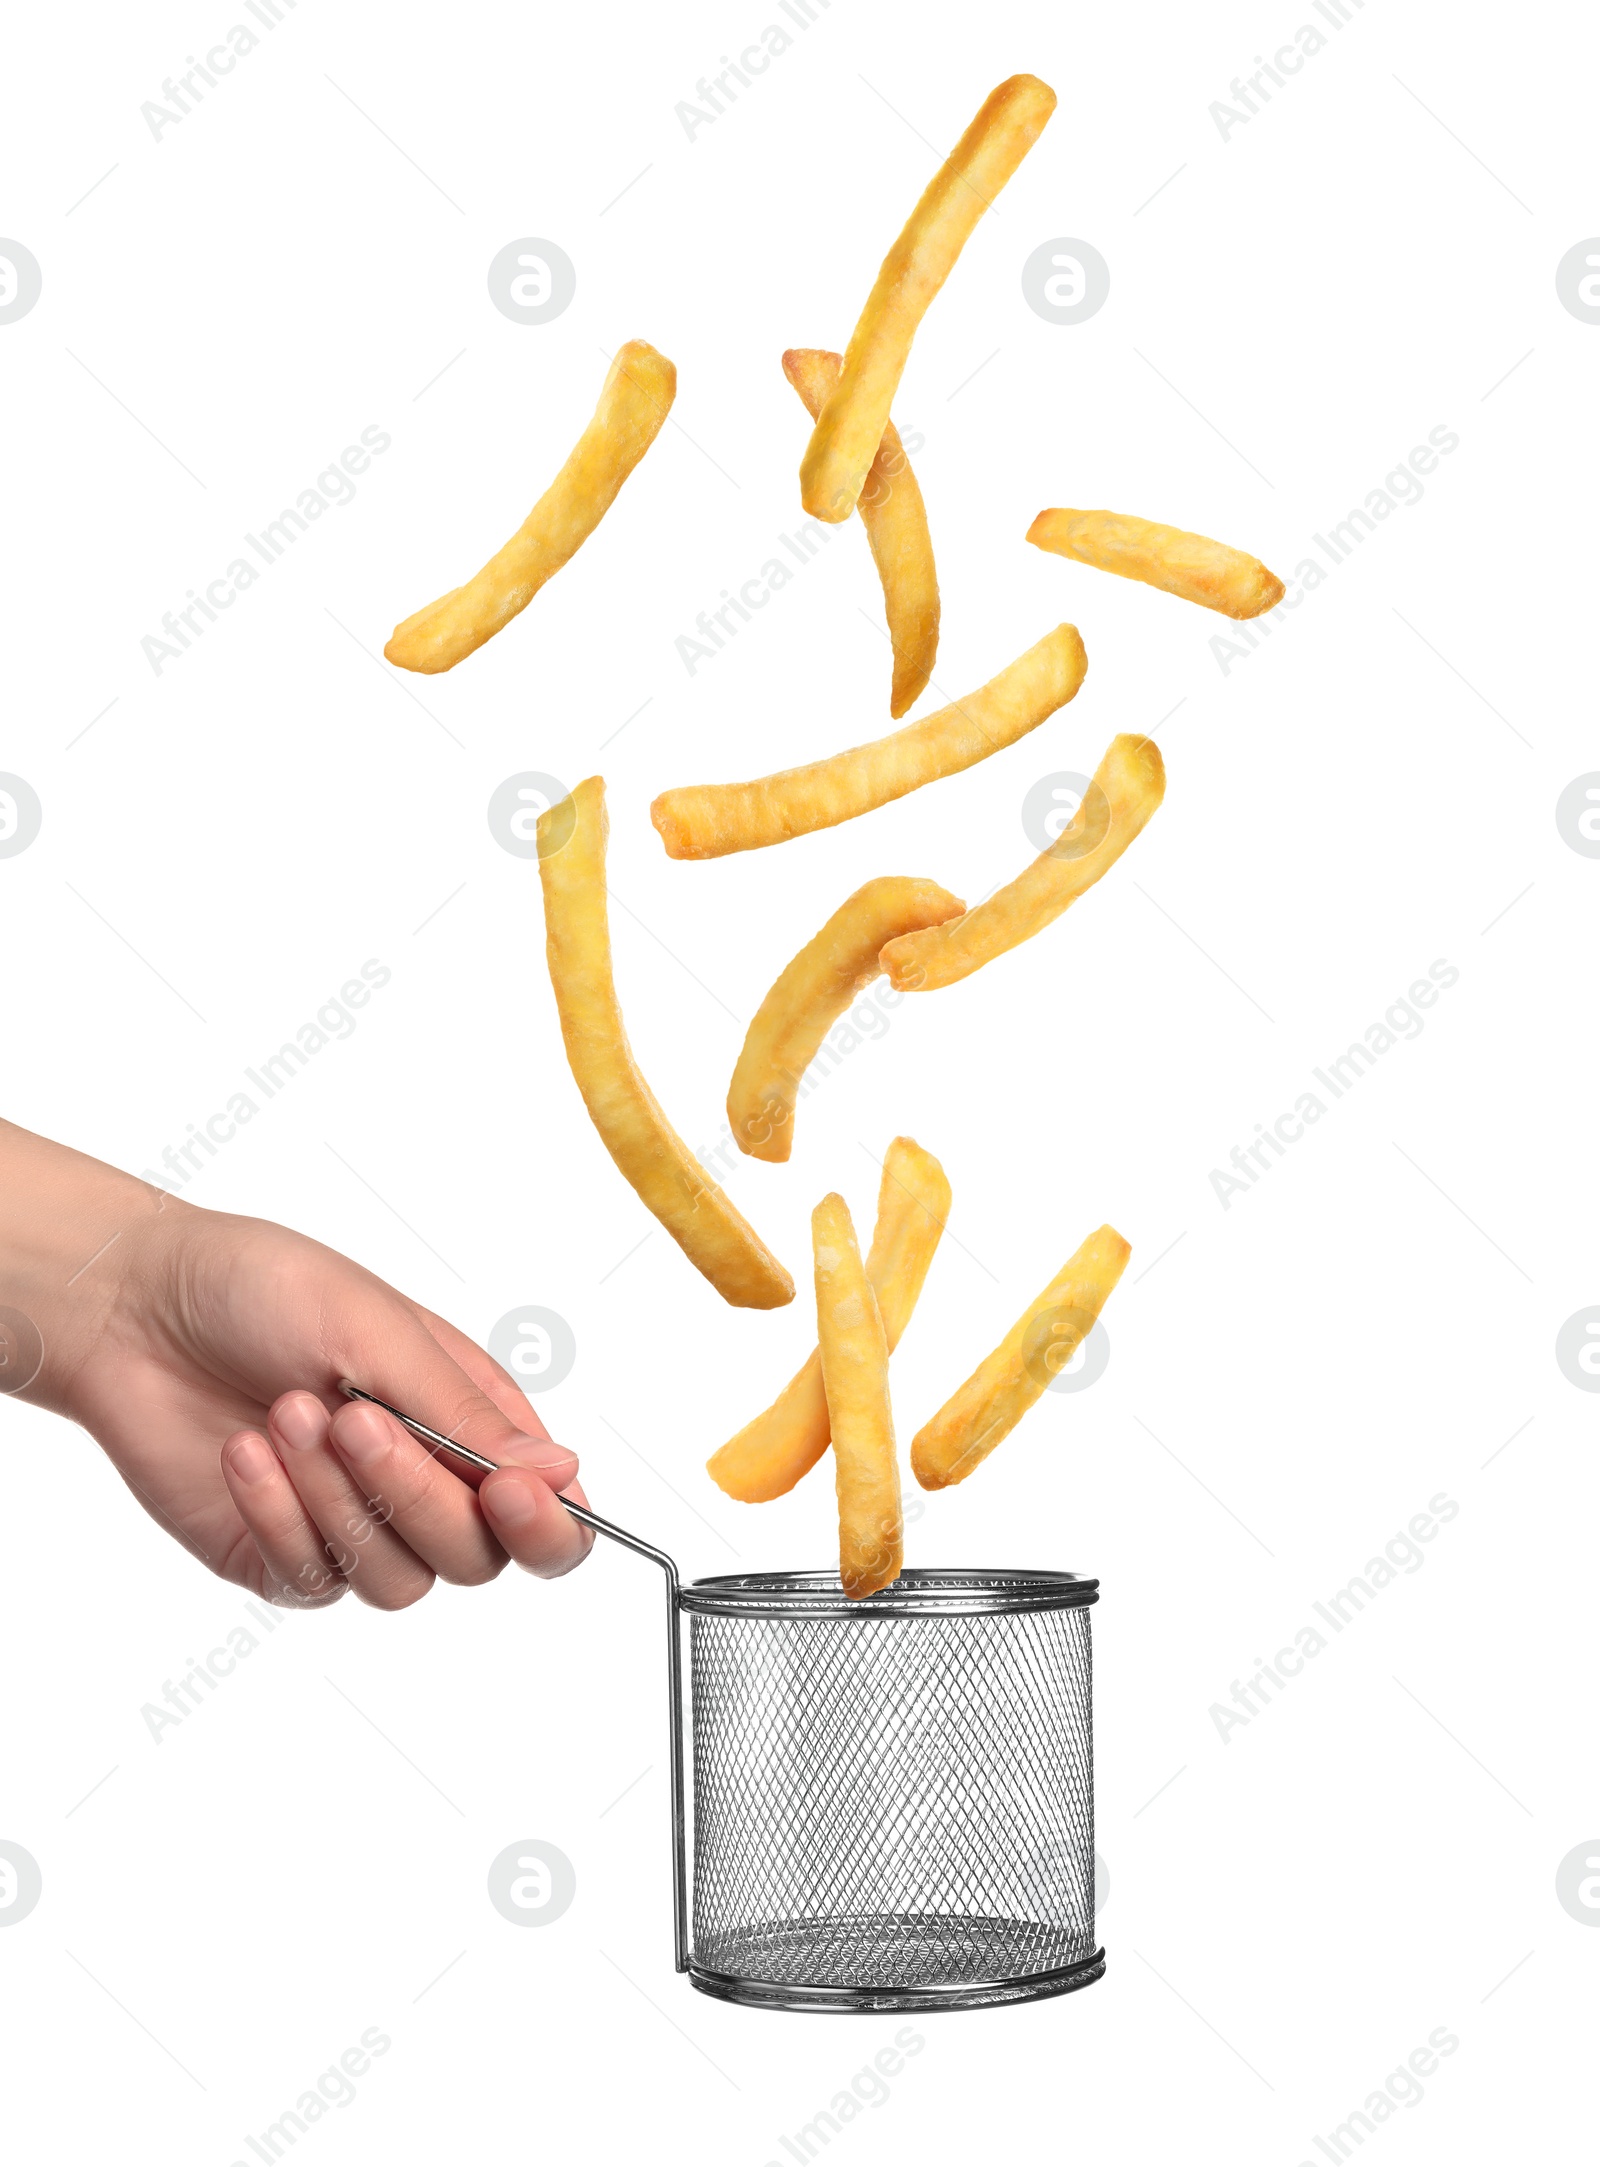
(205,1353)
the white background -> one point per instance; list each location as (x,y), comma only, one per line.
(1372,789)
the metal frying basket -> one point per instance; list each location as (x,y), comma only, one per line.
(893,1799)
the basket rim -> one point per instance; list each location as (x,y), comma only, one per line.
(921,1591)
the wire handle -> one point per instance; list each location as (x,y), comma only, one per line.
(437,1442)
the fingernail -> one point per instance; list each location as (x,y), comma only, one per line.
(300,1425)
(252,1462)
(537,1452)
(363,1440)
(511,1501)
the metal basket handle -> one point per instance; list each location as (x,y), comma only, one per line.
(437,1442)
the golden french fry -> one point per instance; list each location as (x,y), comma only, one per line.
(896,521)
(770,1454)
(668,1178)
(1189,565)
(1033,1353)
(808,993)
(638,391)
(708,820)
(855,1375)
(1127,786)
(850,426)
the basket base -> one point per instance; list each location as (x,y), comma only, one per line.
(940,1964)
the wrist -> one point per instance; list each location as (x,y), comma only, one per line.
(72,1233)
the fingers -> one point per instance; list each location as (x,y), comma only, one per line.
(421,1502)
(293,1565)
(351,1498)
(358,1502)
(529,1518)
(378,1561)
(465,1535)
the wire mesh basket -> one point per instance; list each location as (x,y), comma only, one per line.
(893,1799)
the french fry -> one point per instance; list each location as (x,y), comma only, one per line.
(808,993)
(1033,1353)
(1189,565)
(1127,787)
(668,1178)
(639,390)
(708,820)
(855,1375)
(850,426)
(770,1455)
(896,521)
